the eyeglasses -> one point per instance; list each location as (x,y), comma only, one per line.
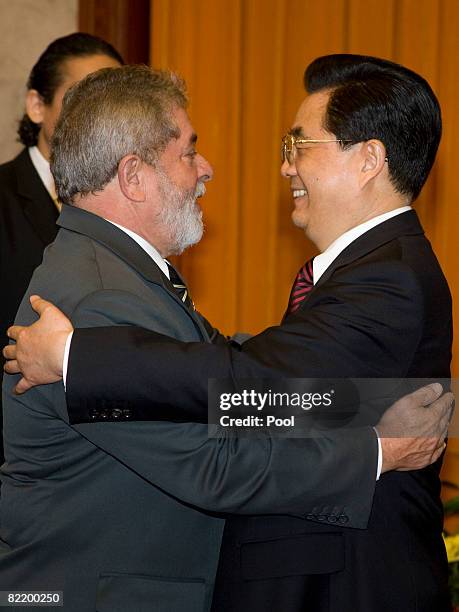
(290,145)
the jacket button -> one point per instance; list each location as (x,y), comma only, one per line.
(103,415)
(117,414)
(127,413)
(322,517)
(93,415)
(332,518)
(343,518)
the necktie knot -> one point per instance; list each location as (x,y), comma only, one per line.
(303,284)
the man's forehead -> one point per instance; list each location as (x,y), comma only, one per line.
(182,121)
(310,114)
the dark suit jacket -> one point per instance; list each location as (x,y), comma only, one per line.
(382,309)
(27,225)
(107,511)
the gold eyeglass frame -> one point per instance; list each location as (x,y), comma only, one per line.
(290,144)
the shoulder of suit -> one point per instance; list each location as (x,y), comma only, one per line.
(73,245)
(21,157)
(73,254)
(70,245)
(7,169)
(374,272)
(10,170)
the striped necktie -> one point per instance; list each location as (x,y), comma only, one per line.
(180,289)
(303,284)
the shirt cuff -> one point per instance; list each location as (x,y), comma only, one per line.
(65,364)
(380,457)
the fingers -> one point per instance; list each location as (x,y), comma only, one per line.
(11,367)
(14,331)
(426,395)
(50,313)
(39,304)
(9,352)
(438,452)
(444,409)
(22,386)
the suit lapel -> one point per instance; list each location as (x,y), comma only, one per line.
(37,204)
(405,224)
(124,247)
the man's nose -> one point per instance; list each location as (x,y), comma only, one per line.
(288,169)
(205,170)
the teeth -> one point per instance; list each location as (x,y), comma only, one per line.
(299,193)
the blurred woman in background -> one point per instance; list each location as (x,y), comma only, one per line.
(28,203)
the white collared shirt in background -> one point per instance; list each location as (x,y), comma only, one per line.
(41,165)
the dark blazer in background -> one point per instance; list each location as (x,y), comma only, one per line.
(107,511)
(27,225)
(382,309)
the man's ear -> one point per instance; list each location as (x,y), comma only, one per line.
(35,106)
(373,160)
(131,178)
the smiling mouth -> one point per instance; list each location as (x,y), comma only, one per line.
(299,193)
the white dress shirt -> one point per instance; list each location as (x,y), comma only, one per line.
(41,165)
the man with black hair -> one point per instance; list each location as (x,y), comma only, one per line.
(373,304)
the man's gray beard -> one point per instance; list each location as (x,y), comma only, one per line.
(180,214)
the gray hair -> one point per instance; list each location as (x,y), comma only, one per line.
(112,113)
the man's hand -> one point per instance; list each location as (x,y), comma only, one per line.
(39,350)
(413,430)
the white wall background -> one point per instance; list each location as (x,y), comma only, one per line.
(26,29)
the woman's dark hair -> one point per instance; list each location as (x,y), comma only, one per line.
(46,75)
(375,98)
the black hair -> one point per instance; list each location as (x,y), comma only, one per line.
(375,98)
(46,75)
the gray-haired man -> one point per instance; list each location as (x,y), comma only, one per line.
(108,511)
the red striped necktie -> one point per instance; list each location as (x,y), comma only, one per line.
(303,284)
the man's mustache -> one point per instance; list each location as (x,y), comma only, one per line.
(200,190)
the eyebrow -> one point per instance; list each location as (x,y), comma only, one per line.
(297,132)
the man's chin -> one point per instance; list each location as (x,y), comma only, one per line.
(298,220)
(192,238)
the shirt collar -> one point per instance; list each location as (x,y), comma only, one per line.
(41,165)
(147,247)
(324,260)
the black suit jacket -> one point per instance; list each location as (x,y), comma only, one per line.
(107,511)
(27,225)
(382,309)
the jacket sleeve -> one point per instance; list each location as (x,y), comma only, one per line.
(365,323)
(331,476)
